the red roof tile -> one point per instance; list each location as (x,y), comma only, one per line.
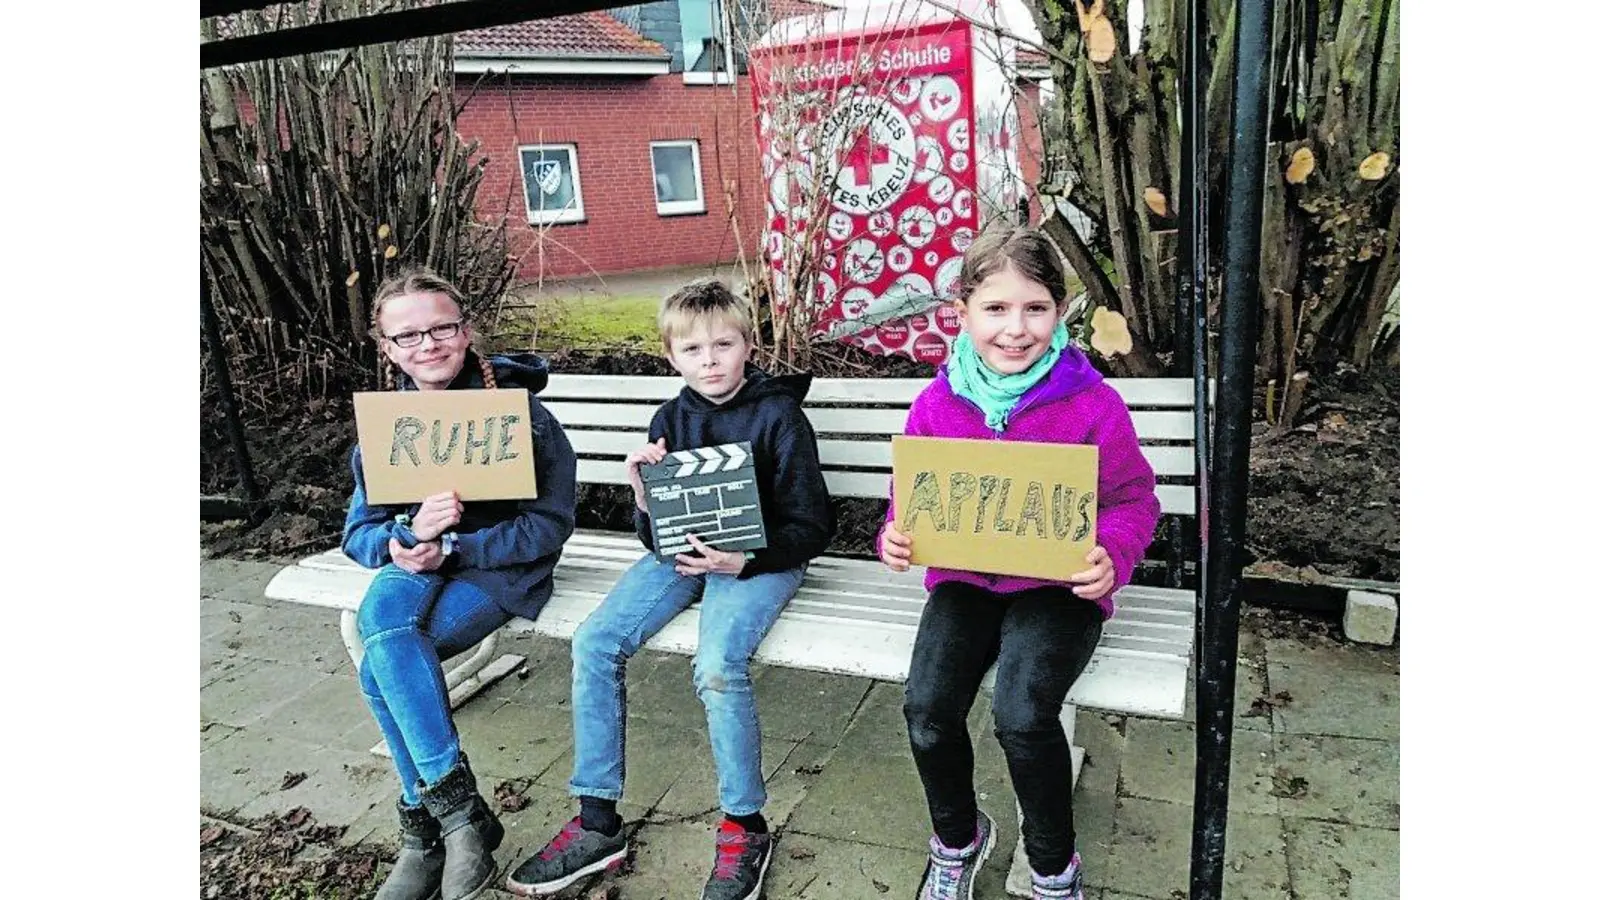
(585,35)
(1027,56)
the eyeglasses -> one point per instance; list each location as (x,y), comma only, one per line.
(439,333)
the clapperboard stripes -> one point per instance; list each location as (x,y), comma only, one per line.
(709,492)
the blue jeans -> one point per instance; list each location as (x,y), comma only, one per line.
(734,616)
(400,672)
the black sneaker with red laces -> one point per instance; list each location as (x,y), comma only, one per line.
(741,865)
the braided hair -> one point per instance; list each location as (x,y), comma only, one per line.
(420,281)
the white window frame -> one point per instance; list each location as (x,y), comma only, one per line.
(679,207)
(728,74)
(559,216)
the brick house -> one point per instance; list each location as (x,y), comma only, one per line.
(619,141)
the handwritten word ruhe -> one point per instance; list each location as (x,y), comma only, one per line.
(409,429)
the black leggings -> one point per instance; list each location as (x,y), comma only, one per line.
(1041,638)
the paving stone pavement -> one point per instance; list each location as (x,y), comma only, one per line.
(1314,792)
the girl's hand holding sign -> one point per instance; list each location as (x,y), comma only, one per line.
(439,513)
(896,550)
(1096,581)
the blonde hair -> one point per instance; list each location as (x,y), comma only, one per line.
(420,281)
(704,300)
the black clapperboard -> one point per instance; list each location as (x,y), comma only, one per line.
(709,492)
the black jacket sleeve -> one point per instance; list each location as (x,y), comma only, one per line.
(641,519)
(803,524)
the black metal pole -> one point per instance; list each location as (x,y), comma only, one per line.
(1241,288)
(230,409)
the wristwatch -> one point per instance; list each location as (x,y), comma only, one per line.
(749,556)
(449,542)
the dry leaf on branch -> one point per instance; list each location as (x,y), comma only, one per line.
(1301,166)
(1110,335)
(1156,200)
(1102,40)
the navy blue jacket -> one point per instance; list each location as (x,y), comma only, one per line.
(766,412)
(508,547)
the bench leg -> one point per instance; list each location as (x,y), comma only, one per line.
(352,637)
(1019,883)
(479,670)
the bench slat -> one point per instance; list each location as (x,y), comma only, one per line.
(1150,425)
(1168,461)
(1136,392)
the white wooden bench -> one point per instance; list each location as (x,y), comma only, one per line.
(851,616)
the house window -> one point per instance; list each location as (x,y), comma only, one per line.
(676,166)
(550,183)
(707,52)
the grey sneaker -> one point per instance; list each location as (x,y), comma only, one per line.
(741,865)
(951,872)
(572,854)
(1066,886)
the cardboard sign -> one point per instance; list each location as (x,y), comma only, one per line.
(416,443)
(1001,507)
(904,113)
(709,492)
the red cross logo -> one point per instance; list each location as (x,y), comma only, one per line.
(863,155)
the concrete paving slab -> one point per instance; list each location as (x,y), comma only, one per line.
(254,690)
(695,792)
(219,616)
(1252,706)
(1101,737)
(237,579)
(793,779)
(655,758)
(1159,764)
(1333,861)
(323,714)
(1339,779)
(213,733)
(795,704)
(237,773)
(879,726)
(307,638)
(866,798)
(517,740)
(811,867)
(1342,689)
(1150,853)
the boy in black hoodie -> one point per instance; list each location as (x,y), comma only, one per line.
(708,335)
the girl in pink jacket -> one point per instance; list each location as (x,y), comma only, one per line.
(1013,375)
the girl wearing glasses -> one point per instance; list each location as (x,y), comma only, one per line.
(449,574)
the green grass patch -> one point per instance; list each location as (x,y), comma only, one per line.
(583,322)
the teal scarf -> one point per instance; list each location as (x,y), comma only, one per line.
(997,394)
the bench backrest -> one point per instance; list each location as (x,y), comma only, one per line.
(607,416)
